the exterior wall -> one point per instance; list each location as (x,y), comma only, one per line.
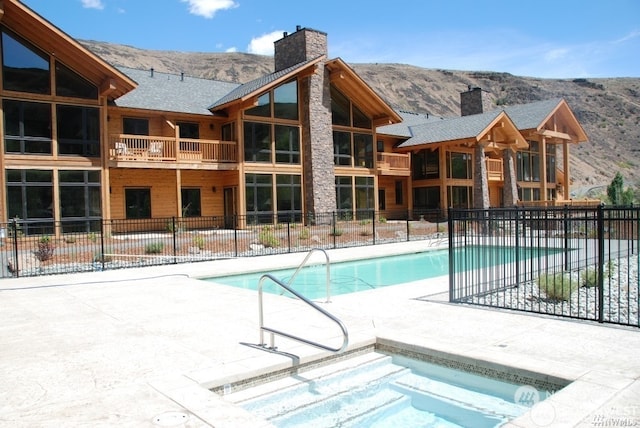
(388,183)
(161,182)
(303,45)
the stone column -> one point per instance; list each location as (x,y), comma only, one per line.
(480,180)
(510,188)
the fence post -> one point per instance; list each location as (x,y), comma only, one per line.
(289,235)
(175,233)
(517,242)
(14,223)
(102,256)
(335,225)
(451,256)
(408,217)
(235,239)
(566,237)
(600,263)
(373,222)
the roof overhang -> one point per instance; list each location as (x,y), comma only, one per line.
(560,125)
(350,84)
(31,26)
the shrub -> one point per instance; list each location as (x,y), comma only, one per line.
(336,232)
(103,258)
(366,232)
(557,286)
(198,241)
(267,238)
(70,239)
(382,219)
(304,233)
(154,248)
(589,277)
(92,237)
(45,249)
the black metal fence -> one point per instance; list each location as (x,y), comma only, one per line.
(571,262)
(46,248)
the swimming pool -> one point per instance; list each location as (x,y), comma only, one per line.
(352,276)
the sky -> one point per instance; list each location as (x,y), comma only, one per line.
(542,38)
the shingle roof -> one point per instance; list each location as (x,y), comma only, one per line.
(450,129)
(170,92)
(409,119)
(254,85)
(531,115)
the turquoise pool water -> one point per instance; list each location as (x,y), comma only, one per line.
(350,277)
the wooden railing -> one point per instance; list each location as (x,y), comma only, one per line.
(561,203)
(393,162)
(494,170)
(125,147)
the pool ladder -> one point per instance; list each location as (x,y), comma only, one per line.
(288,287)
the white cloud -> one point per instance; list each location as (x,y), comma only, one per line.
(556,54)
(93,4)
(632,35)
(263,45)
(232,49)
(208,8)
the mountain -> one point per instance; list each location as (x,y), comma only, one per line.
(607,108)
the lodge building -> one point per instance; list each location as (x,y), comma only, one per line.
(84,140)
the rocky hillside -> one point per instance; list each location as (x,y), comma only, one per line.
(609,109)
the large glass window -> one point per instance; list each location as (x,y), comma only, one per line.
(189,130)
(262,107)
(24,67)
(459,196)
(363,150)
(459,165)
(287,144)
(344,195)
(79,200)
(340,108)
(27,127)
(528,168)
(78,131)
(30,198)
(135,126)
(71,84)
(228,132)
(426,164)
(289,196)
(364,195)
(257,142)
(285,101)
(342,148)
(551,163)
(138,203)
(259,198)
(426,197)
(191,205)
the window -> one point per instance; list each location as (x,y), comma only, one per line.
(135,126)
(459,196)
(27,127)
(528,168)
(24,67)
(426,197)
(362,193)
(287,144)
(426,164)
(399,192)
(459,165)
(138,203)
(262,108)
(363,150)
(551,163)
(228,132)
(257,142)
(259,197)
(342,148)
(71,84)
(382,199)
(289,196)
(80,200)
(191,206)
(30,198)
(364,196)
(340,108)
(344,197)
(78,131)
(189,130)
(285,101)
(529,194)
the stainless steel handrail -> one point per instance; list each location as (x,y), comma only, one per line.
(272,331)
(304,262)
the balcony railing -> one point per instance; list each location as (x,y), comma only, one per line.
(393,164)
(494,170)
(124,147)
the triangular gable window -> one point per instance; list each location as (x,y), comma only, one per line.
(71,84)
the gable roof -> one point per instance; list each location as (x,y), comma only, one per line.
(409,119)
(536,115)
(55,42)
(261,84)
(171,92)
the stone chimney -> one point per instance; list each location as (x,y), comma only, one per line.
(472,102)
(303,45)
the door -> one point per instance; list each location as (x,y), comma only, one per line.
(229,208)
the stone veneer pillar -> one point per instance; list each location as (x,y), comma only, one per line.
(480,180)
(510,188)
(472,102)
(315,107)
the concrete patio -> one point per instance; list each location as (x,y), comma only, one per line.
(140,347)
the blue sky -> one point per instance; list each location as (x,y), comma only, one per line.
(542,38)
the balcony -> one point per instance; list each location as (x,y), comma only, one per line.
(393,164)
(494,170)
(142,151)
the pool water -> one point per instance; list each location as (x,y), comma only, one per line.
(350,277)
(378,390)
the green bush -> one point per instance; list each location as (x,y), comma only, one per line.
(304,233)
(267,238)
(336,232)
(382,219)
(198,241)
(589,277)
(45,249)
(558,286)
(154,248)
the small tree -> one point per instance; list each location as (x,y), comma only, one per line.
(616,192)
